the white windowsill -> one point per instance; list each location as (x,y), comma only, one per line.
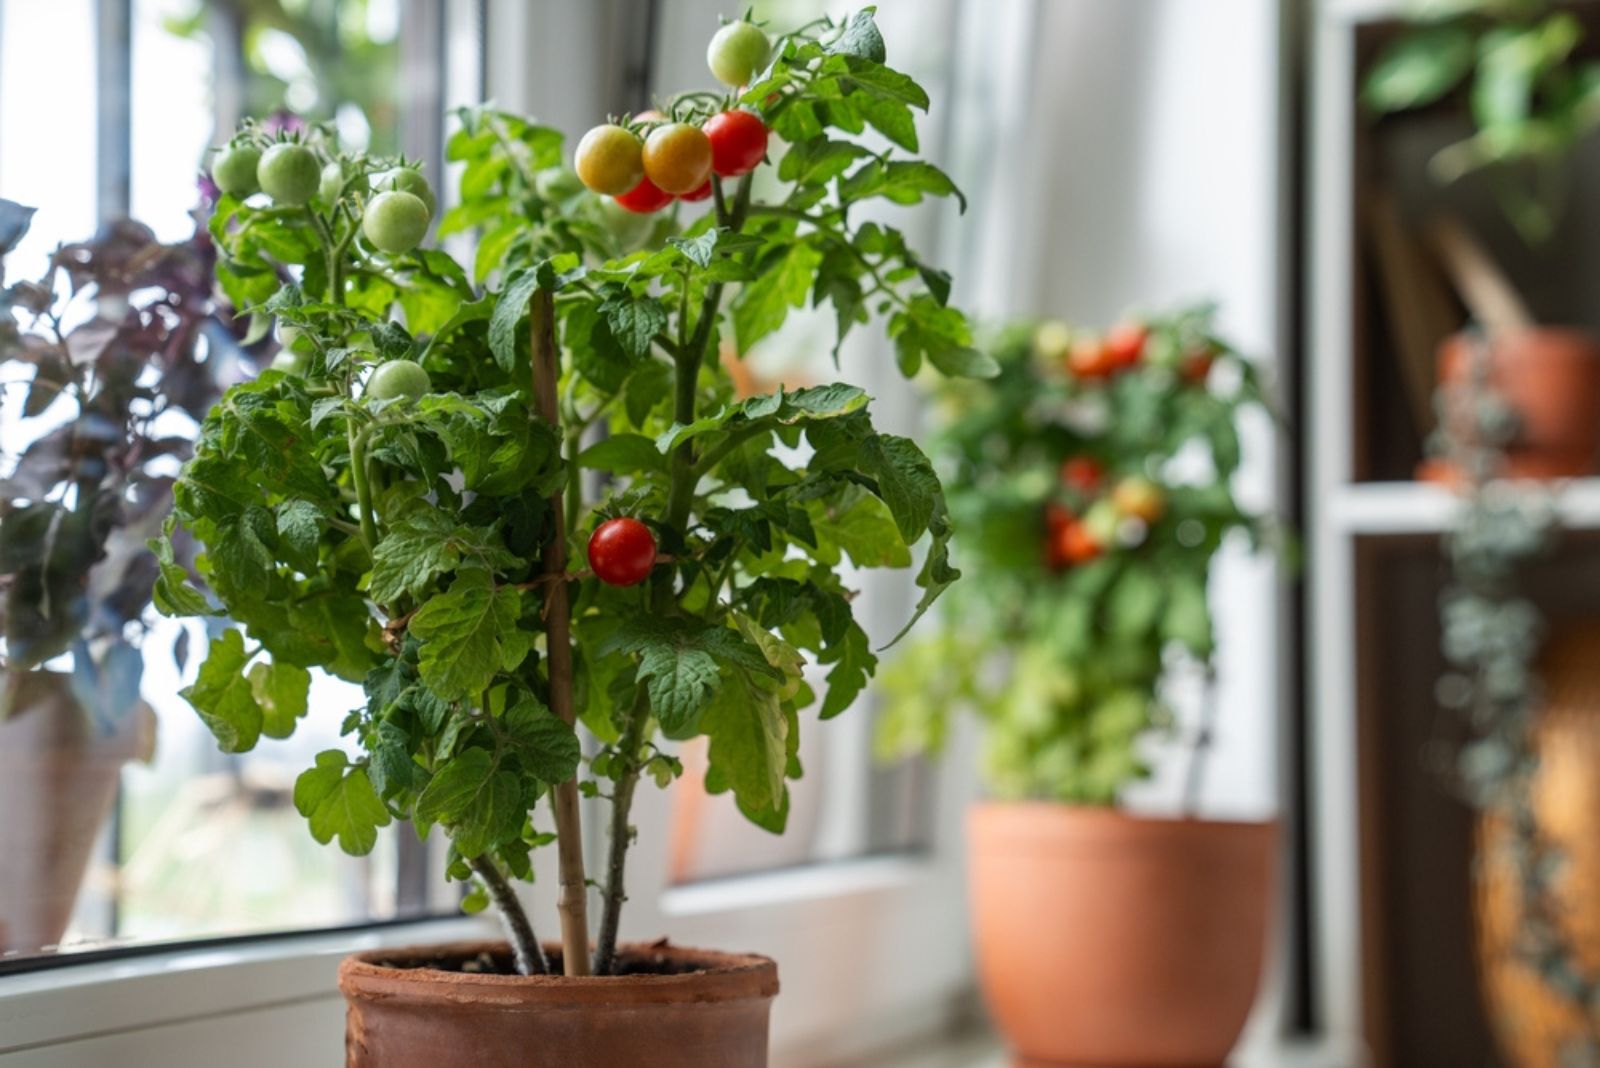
(79,1001)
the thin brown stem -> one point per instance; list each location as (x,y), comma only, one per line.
(572,902)
(525,948)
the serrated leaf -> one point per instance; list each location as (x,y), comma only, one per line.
(546,746)
(281,689)
(510,311)
(906,481)
(853,665)
(861,39)
(763,305)
(634,322)
(340,802)
(224,697)
(623,454)
(699,249)
(460,631)
(417,551)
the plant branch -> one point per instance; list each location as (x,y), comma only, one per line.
(616,891)
(572,903)
(683,476)
(358,476)
(525,948)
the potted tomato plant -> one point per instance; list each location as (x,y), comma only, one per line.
(1090,486)
(116,349)
(406,507)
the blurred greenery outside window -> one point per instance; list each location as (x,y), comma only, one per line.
(202,844)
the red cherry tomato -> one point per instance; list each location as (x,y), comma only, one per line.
(1082,473)
(644,198)
(699,194)
(622,552)
(738,142)
(1196,367)
(1076,544)
(1089,358)
(1125,344)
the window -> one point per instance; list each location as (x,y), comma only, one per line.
(190,843)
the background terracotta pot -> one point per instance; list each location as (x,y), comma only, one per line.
(1104,939)
(1531,1021)
(694,1009)
(1551,377)
(58,779)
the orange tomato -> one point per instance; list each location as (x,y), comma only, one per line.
(677,157)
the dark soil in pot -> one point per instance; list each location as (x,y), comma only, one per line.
(460,1004)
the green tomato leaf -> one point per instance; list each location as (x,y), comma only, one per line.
(224,697)
(461,634)
(340,803)
(547,747)
(634,322)
(624,454)
(763,305)
(510,312)
(281,690)
(906,481)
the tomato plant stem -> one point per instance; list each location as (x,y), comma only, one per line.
(358,476)
(525,948)
(683,475)
(605,954)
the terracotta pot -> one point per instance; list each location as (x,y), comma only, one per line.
(58,779)
(680,1008)
(1531,1021)
(1106,940)
(1551,377)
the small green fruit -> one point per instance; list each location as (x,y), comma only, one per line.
(406,180)
(395,222)
(737,52)
(289,173)
(398,379)
(332,183)
(234,170)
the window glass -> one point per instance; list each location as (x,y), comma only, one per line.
(141,831)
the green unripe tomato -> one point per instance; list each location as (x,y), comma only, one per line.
(395,222)
(290,337)
(406,180)
(737,52)
(557,183)
(289,362)
(628,228)
(331,183)
(397,379)
(234,170)
(289,173)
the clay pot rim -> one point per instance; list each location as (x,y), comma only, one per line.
(1034,819)
(1110,814)
(718,977)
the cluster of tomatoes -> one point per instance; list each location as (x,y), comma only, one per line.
(671,161)
(654,160)
(1094,358)
(1121,517)
(393,220)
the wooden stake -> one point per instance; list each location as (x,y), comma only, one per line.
(573,901)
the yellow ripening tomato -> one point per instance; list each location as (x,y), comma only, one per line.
(677,157)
